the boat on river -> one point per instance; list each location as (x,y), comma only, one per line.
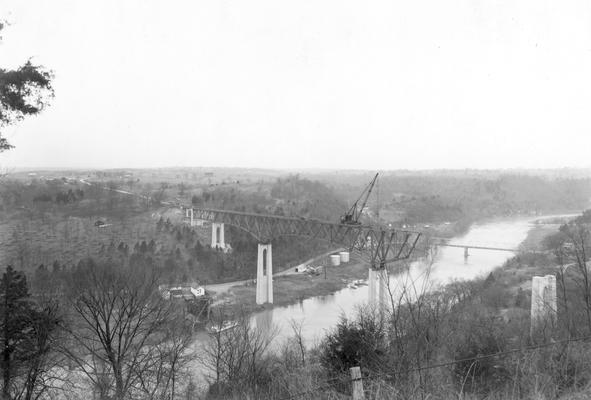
(218,328)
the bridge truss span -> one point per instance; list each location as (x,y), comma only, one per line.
(377,245)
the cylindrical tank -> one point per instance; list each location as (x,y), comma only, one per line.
(344,256)
(335,259)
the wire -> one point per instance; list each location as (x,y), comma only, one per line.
(328,385)
(500,353)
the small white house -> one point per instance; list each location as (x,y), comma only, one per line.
(182,292)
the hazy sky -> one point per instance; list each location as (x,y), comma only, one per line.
(306,83)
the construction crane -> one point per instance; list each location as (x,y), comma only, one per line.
(352,216)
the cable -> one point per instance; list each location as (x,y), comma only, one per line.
(328,385)
(500,353)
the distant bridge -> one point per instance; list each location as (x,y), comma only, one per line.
(467,247)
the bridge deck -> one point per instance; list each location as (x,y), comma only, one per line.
(468,246)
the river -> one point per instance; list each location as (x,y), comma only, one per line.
(319,314)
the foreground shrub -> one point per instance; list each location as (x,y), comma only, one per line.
(358,342)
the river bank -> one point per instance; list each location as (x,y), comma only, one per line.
(291,288)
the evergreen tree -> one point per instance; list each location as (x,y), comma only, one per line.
(25,338)
(14,308)
(23,91)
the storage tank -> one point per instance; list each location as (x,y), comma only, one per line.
(344,256)
(335,259)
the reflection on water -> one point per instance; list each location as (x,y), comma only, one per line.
(319,314)
(263,320)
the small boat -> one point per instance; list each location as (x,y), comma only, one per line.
(352,285)
(360,282)
(223,327)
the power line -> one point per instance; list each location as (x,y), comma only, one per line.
(328,385)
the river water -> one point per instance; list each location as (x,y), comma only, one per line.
(317,315)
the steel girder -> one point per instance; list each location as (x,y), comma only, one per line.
(378,245)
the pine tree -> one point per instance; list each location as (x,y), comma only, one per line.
(15,309)
(26,338)
(23,91)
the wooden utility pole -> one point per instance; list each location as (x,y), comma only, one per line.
(357,384)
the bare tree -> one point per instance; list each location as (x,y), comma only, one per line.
(415,317)
(172,355)
(125,336)
(298,337)
(236,355)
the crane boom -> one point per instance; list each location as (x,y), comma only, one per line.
(352,216)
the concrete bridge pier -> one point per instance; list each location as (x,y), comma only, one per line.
(264,292)
(217,235)
(378,289)
(190,215)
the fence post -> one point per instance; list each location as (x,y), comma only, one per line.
(357,383)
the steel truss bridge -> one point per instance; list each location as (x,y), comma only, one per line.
(378,245)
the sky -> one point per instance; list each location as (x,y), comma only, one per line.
(305,84)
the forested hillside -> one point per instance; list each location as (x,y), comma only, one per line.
(53,220)
(52,224)
(435,197)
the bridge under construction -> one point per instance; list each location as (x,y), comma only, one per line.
(379,246)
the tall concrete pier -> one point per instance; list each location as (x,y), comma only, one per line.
(217,235)
(264,292)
